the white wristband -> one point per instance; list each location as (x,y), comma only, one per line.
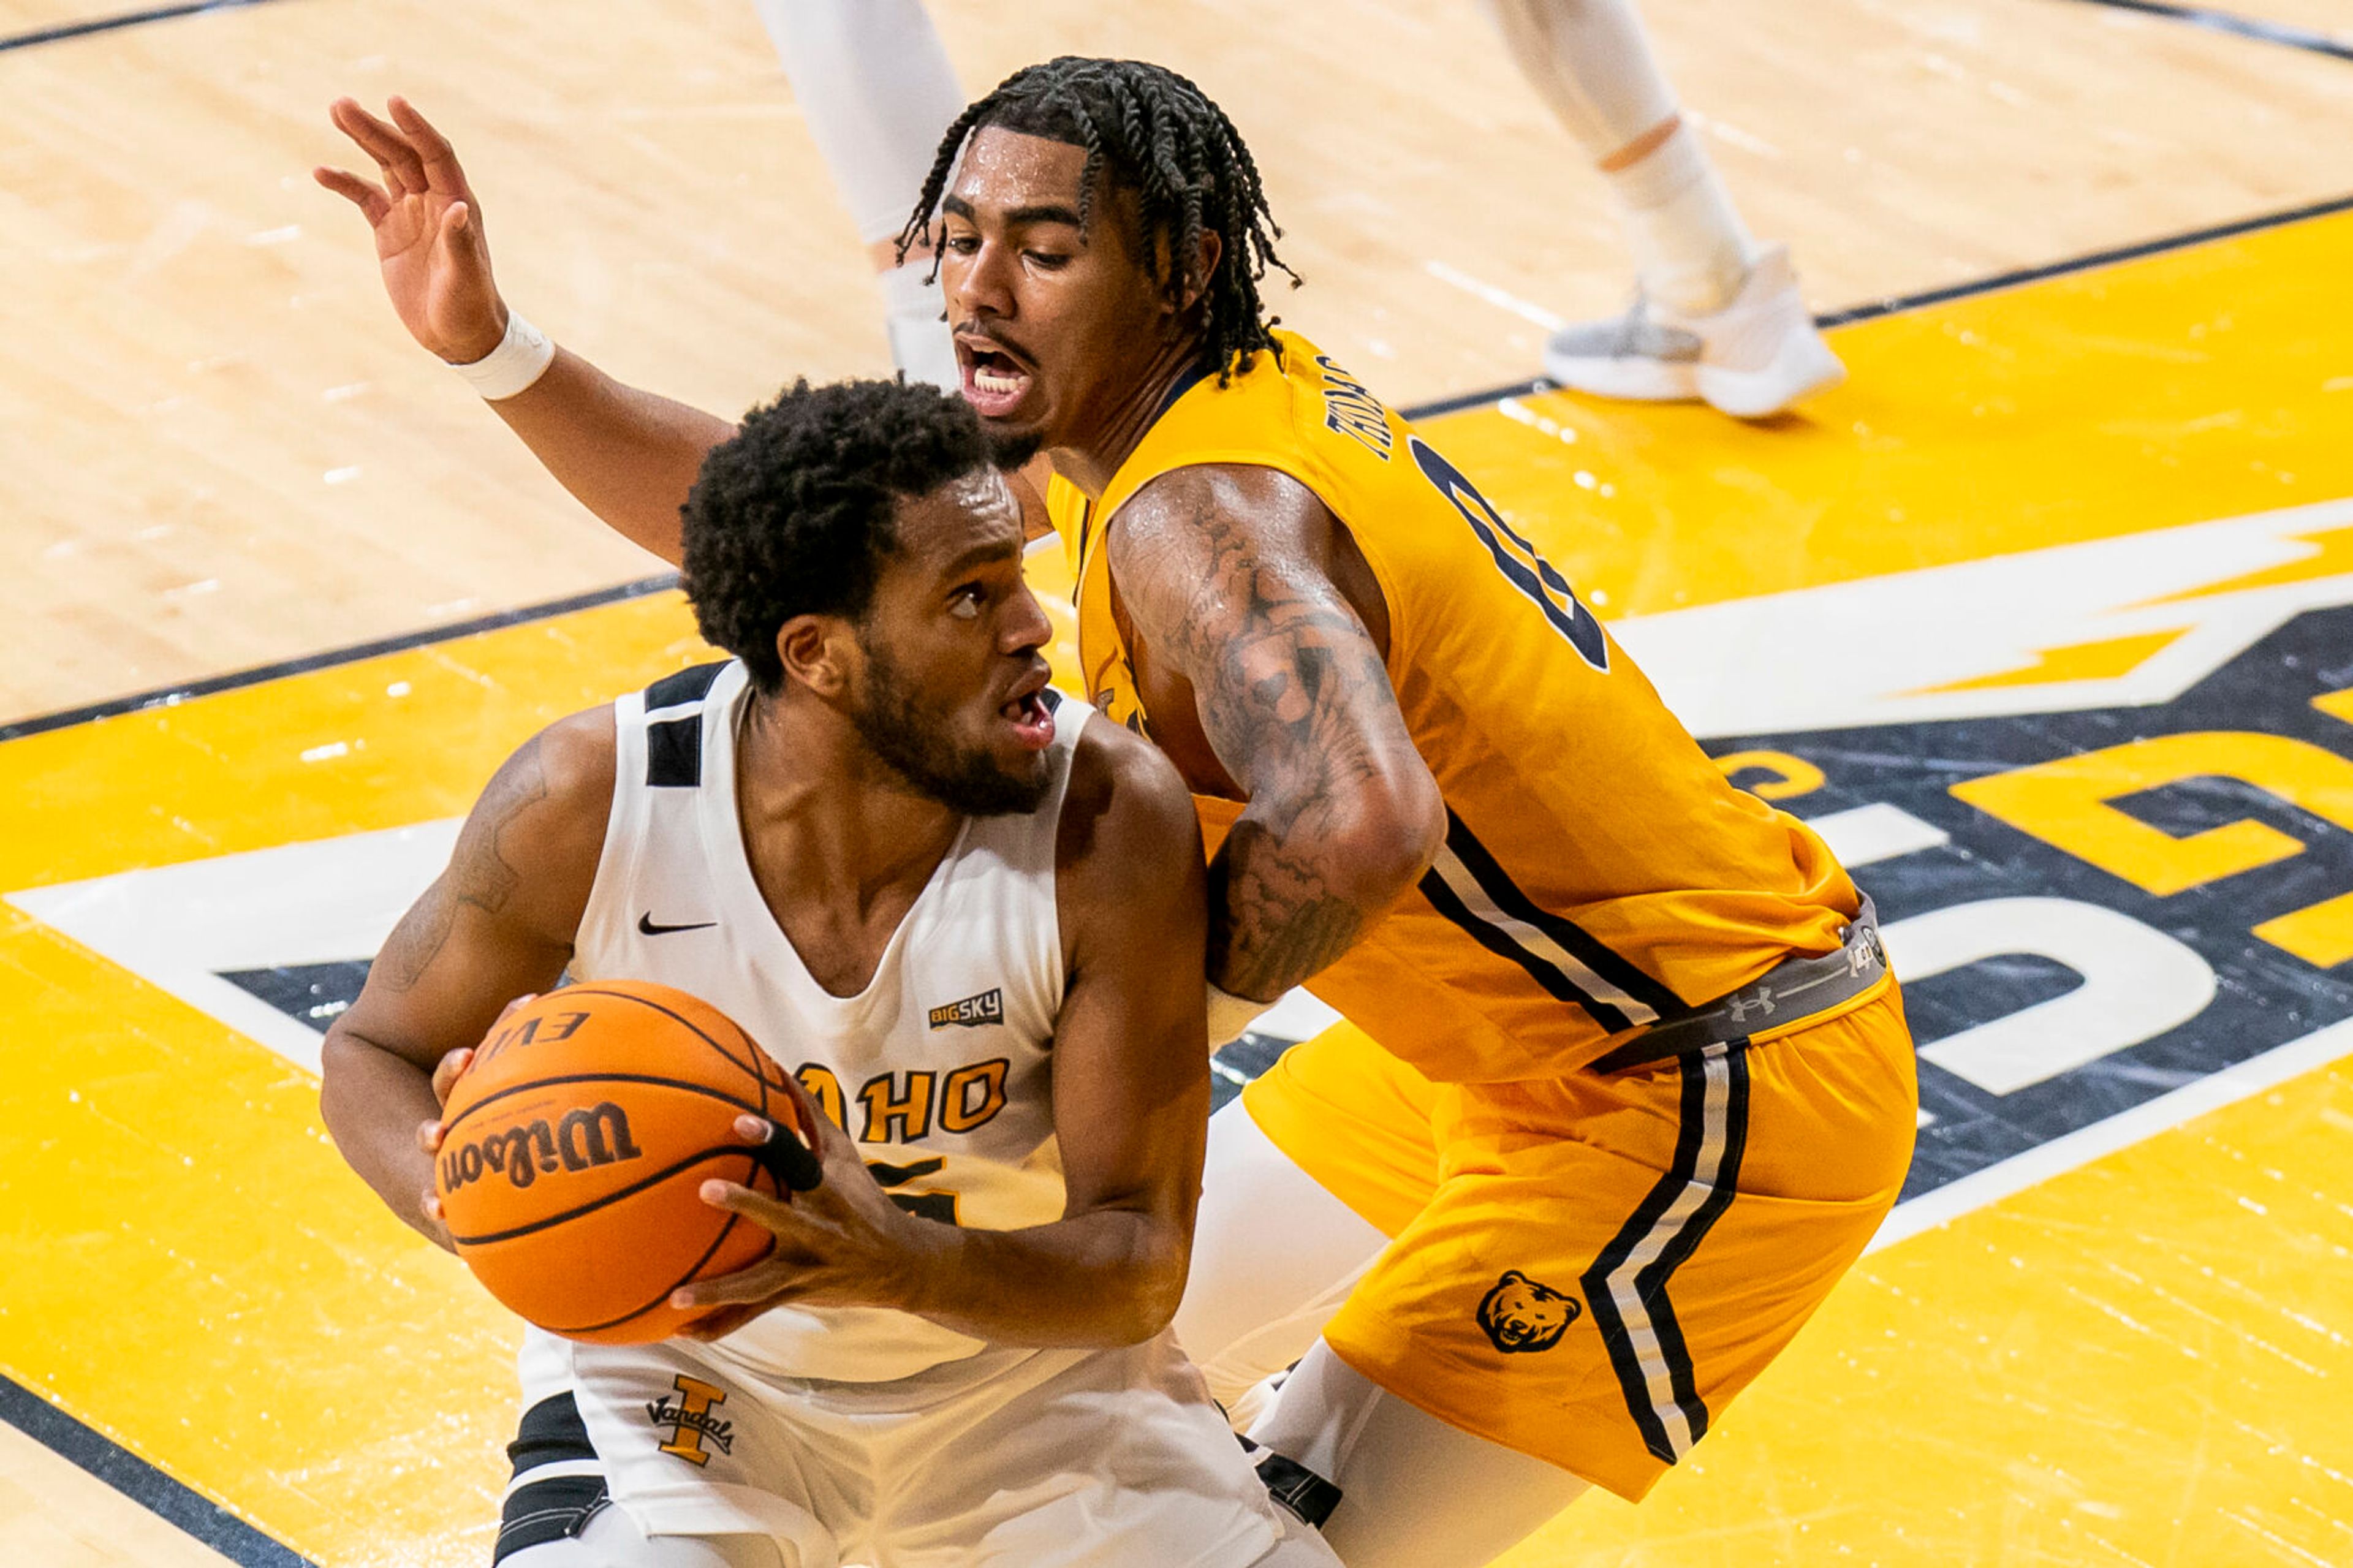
(1230,1016)
(522,357)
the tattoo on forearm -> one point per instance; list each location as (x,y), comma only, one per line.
(1272,924)
(1294,695)
(479,874)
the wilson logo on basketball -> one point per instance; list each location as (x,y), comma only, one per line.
(580,1140)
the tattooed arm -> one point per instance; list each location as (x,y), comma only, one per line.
(498,923)
(1227,574)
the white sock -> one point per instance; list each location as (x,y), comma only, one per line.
(1416,1491)
(874,83)
(1591,62)
(913,315)
(1691,249)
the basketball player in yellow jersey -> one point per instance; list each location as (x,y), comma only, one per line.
(1629,1086)
(1643,1088)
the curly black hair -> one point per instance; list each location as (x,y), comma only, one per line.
(795,513)
(1150,131)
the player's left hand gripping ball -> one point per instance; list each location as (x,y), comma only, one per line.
(840,1240)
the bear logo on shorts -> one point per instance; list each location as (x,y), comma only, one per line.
(1521,1315)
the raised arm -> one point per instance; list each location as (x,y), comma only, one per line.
(628,455)
(497,923)
(1131,1113)
(1227,574)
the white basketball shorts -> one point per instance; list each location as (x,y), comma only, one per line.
(1012,1458)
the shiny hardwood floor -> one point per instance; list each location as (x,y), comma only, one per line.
(221,451)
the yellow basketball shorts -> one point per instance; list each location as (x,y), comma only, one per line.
(1587,1269)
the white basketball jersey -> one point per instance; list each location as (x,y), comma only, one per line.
(940,1067)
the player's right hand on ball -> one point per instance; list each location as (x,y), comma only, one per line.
(451,1067)
(430,1134)
(446,1073)
(428,232)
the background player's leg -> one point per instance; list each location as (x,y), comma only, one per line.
(1719,317)
(612,1540)
(1415,1492)
(874,83)
(1275,1255)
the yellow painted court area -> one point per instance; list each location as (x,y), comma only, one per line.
(2199,384)
(2141,1360)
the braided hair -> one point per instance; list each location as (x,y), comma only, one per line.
(1151,131)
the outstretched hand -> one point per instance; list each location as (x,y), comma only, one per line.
(428,232)
(842,1243)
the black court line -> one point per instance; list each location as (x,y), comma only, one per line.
(1991,285)
(2085,263)
(172,695)
(128,19)
(2236,25)
(141,1482)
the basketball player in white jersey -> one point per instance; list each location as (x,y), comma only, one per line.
(1718,315)
(1281,1248)
(973,926)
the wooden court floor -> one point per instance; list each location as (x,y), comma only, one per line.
(2046,619)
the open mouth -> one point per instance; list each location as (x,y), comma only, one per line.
(1032,720)
(994,381)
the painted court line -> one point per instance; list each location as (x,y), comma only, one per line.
(90,1450)
(2040,1163)
(112,24)
(172,695)
(2236,25)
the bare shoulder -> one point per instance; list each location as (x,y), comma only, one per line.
(542,816)
(1125,810)
(579,753)
(526,859)
(1197,512)
(563,772)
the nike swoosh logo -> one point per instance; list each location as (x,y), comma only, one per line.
(646,926)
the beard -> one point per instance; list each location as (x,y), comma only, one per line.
(916,741)
(1010,451)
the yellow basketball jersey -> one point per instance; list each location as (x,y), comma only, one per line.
(1599,871)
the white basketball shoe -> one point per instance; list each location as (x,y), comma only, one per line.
(1754,357)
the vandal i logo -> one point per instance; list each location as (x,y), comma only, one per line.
(691,1420)
(579,1141)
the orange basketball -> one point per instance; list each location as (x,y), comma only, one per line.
(574,1144)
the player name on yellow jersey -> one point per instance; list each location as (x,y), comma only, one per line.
(1599,871)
